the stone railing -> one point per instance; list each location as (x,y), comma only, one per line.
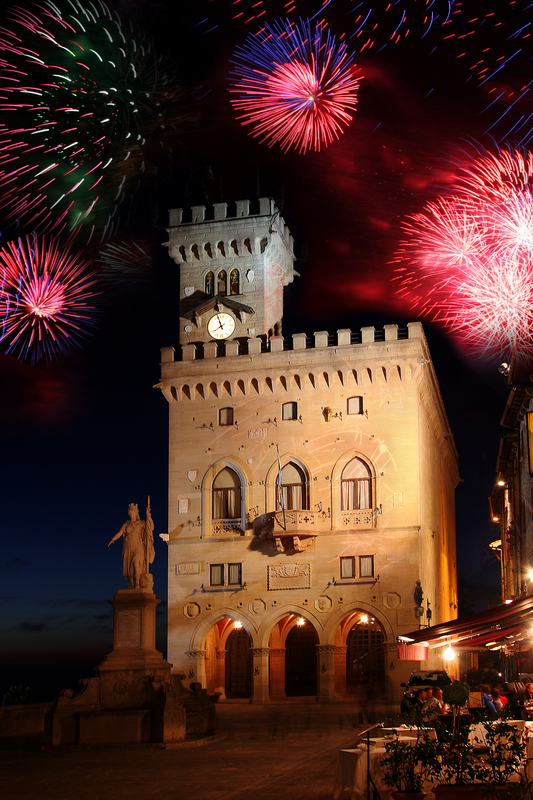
(365,518)
(231,527)
(300,521)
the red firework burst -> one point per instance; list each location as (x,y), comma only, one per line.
(296,88)
(472,257)
(47,299)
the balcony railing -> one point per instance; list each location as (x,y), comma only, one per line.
(227,527)
(362,518)
(300,521)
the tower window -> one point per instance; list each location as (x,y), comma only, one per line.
(225,416)
(293,487)
(234,574)
(217,574)
(234,282)
(226,495)
(289,411)
(222,283)
(356,489)
(210,284)
(347,567)
(366,566)
(354,405)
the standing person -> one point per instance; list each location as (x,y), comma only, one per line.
(137,545)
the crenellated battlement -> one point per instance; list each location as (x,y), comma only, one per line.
(209,234)
(219,211)
(299,341)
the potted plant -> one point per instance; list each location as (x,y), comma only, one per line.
(465,773)
(505,752)
(408,764)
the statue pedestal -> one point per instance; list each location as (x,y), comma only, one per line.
(133,697)
(123,673)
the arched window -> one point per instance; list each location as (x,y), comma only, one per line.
(293,487)
(225,416)
(227,495)
(356,486)
(222,283)
(210,284)
(234,281)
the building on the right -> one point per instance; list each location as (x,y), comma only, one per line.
(511,504)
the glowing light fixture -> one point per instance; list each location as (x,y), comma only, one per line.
(364,618)
(448,654)
(501,483)
(300,621)
(531,574)
(237,624)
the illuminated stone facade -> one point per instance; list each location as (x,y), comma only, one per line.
(301,591)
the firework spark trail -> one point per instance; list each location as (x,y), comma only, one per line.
(467,260)
(296,87)
(79,94)
(47,299)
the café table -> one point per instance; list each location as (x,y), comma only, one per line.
(351,773)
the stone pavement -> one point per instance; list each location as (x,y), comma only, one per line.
(274,752)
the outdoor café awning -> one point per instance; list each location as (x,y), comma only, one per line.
(495,627)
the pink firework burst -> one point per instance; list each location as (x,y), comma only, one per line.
(47,299)
(468,259)
(295,87)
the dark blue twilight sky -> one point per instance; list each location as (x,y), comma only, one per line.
(84,438)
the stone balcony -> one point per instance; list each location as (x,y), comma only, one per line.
(293,522)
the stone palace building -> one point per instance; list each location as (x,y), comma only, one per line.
(311,481)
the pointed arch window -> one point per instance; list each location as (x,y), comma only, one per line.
(227,495)
(293,487)
(234,287)
(222,283)
(356,486)
(210,284)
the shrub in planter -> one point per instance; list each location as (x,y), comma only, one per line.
(408,765)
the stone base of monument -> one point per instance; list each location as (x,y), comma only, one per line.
(134,697)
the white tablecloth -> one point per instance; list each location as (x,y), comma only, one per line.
(351,773)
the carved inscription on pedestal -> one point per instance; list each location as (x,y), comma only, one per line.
(129,627)
(289,576)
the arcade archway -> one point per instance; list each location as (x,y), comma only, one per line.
(360,658)
(293,658)
(227,660)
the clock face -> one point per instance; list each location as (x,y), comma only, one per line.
(221,326)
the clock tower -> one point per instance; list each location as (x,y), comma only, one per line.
(232,271)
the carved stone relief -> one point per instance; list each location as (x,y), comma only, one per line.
(191,610)
(323,603)
(289,576)
(258,606)
(392,600)
(188,568)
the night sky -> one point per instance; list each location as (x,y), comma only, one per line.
(83,438)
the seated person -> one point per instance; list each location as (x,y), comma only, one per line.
(433,705)
(487,699)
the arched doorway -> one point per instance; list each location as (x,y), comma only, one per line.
(238,664)
(301,661)
(365,653)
